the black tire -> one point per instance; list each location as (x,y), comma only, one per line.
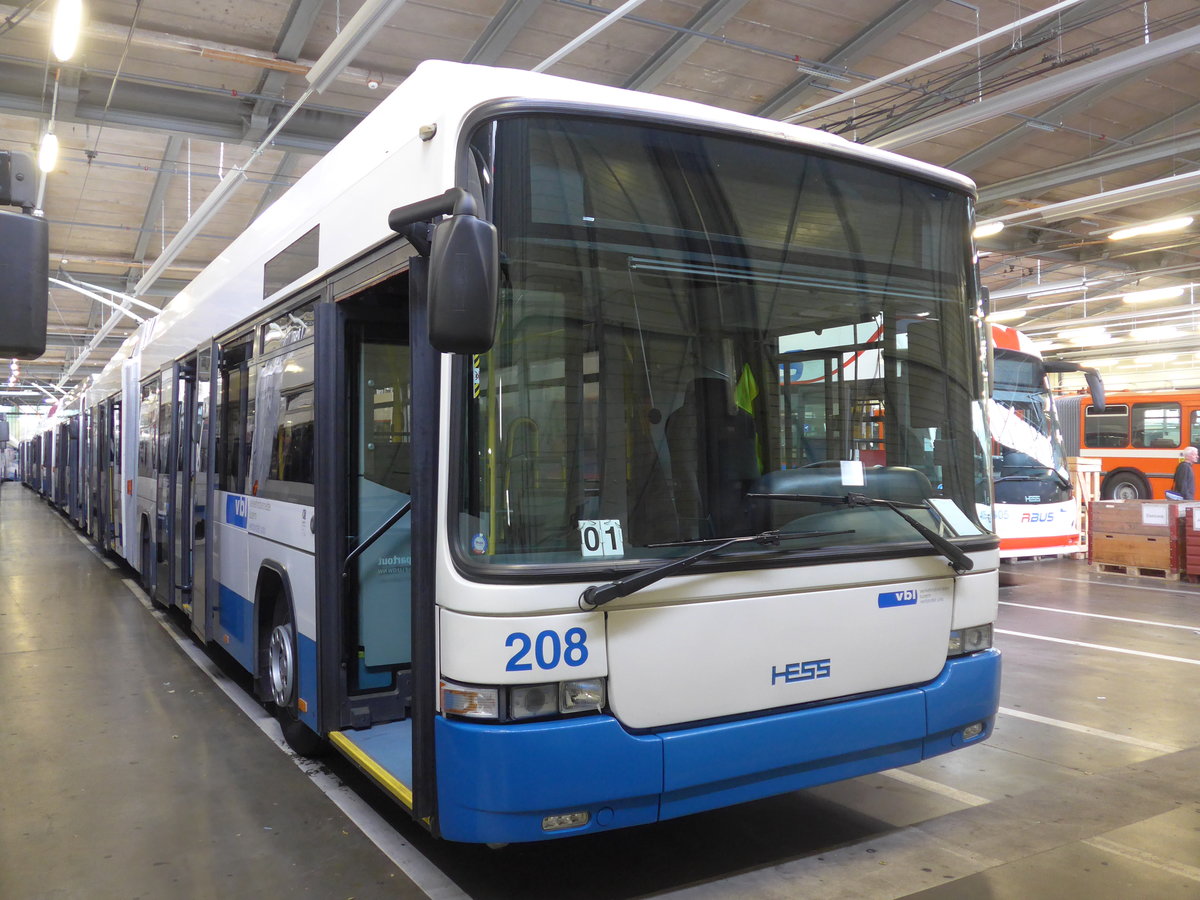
(149,569)
(1126,486)
(279,654)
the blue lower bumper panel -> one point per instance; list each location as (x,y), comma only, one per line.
(498,783)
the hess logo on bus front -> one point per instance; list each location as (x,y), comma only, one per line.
(808,670)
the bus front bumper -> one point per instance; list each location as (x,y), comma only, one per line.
(504,783)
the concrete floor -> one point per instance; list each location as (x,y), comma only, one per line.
(128,773)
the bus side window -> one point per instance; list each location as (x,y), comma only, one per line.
(232,418)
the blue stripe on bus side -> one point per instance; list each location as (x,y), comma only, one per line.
(234,616)
(306,687)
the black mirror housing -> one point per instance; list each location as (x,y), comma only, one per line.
(463,285)
(24,288)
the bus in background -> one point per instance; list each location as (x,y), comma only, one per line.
(517,453)
(1138,436)
(1035,512)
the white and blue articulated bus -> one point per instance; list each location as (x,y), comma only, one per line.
(572,458)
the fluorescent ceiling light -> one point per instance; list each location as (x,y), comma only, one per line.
(987,229)
(48,152)
(1154,333)
(1088,332)
(1005,315)
(1167,293)
(1161,227)
(68,21)
(1052,289)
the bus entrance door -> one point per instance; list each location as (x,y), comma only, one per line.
(376,525)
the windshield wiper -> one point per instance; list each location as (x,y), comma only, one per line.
(959,560)
(1057,475)
(599,594)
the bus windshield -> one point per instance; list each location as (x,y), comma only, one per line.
(1022,418)
(689,320)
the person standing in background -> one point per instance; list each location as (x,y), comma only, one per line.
(1185,478)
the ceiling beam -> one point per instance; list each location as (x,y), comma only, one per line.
(670,56)
(501,31)
(1053,115)
(296,28)
(160,109)
(1075,78)
(1037,183)
(865,42)
(998,63)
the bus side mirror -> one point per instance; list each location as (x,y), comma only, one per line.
(4,438)
(1095,386)
(1093,378)
(24,288)
(464,270)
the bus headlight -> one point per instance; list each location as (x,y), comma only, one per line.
(522,701)
(529,701)
(969,640)
(585,695)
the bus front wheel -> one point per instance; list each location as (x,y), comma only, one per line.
(281,681)
(1125,486)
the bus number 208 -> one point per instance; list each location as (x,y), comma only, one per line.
(548,649)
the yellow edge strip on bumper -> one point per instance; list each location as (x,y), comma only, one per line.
(385,778)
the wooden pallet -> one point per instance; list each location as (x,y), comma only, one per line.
(1138,571)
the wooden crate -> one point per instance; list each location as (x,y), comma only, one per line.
(1135,551)
(1190,551)
(1140,537)
(1154,518)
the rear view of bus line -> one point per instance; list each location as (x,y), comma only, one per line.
(572,458)
(1035,508)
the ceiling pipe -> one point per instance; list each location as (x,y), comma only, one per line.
(930,60)
(1074,79)
(350,41)
(368,20)
(102,300)
(1092,167)
(1134,193)
(611,19)
(119,34)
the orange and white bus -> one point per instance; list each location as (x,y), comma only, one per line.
(1138,436)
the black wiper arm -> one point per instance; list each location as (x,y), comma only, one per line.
(600,594)
(959,560)
(1058,476)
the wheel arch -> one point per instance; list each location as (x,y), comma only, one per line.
(272,586)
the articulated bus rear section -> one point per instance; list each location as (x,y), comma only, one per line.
(577,464)
(1138,436)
